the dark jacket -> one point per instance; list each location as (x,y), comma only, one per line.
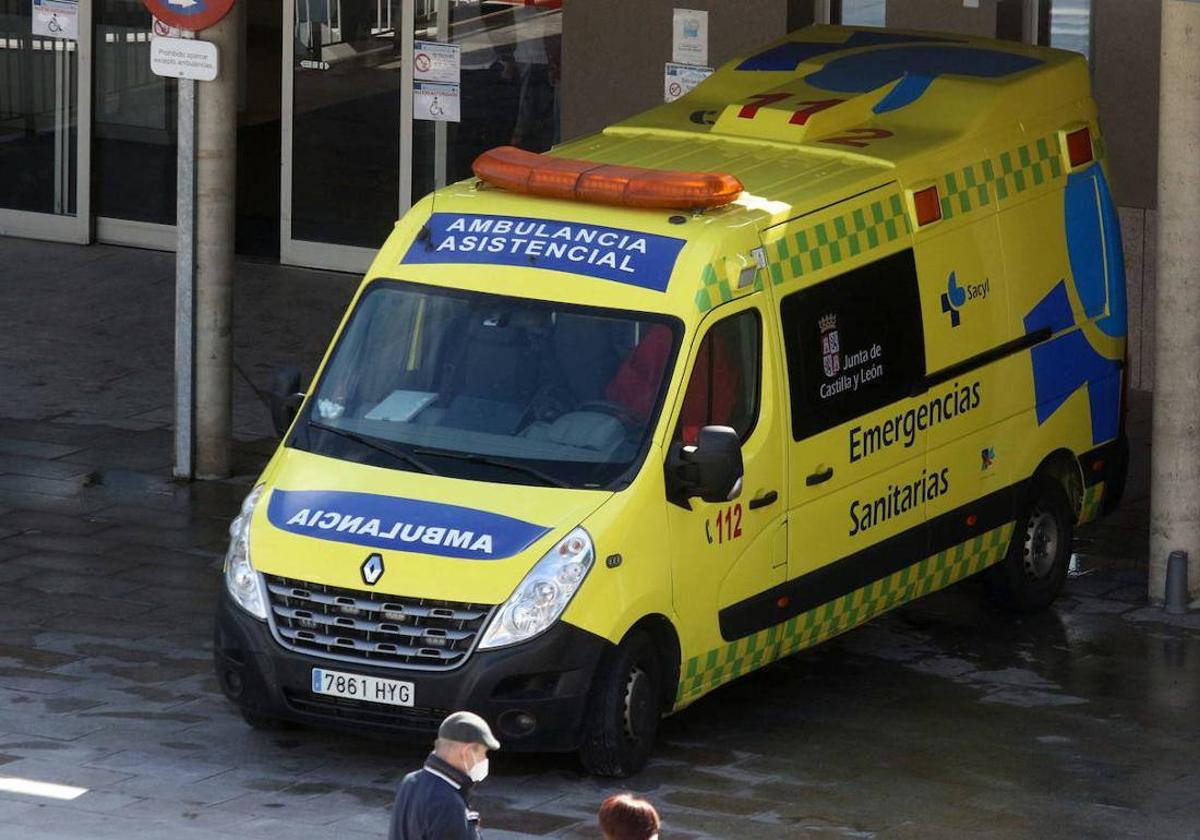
(431,804)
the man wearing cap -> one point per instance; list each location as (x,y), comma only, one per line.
(432,803)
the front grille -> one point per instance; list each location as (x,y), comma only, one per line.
(386,630)
(359,711)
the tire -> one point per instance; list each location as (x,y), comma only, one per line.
(1032,573)
(622,718)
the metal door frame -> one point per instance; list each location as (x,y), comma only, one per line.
(51,226)
(321,254)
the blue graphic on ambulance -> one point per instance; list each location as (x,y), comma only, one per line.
(956,297)
(624,256)
(916,61)
(400,524)
(1068,361)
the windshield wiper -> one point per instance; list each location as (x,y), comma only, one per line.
(491,461)
(378,445)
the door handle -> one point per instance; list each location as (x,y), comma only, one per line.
(819,477)
(765,499)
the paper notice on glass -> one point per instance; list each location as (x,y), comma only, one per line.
(689,42)
(436,62)
(681,79)
(440,103)
(56,19)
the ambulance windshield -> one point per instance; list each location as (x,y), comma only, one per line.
(491,388)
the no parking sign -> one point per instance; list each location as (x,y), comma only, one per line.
(192,15)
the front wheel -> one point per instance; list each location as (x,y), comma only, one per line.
(1031,575)
(622,718)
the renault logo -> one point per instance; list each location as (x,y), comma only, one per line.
(372,569)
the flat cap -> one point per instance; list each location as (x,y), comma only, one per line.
(468,728)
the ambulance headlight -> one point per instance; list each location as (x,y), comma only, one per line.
(244,584)
(544,593)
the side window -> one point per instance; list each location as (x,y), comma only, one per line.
(854,344)
(723,388)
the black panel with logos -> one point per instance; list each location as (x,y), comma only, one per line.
(854,344)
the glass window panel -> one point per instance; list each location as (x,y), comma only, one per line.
(134,123)
(346,121)
(1071,25)
(38,115)
(511,68)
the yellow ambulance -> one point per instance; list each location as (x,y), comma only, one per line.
(606,428)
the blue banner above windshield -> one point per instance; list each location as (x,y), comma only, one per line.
(624,256)
(401,524)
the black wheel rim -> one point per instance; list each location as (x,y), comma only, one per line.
(1041,547)
(638,710)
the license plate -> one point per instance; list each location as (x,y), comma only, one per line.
(359,687)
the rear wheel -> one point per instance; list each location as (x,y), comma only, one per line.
(1031,575)
(622,719)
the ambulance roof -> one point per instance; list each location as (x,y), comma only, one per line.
(823,115)
(803,120)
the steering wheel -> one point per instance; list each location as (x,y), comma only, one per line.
(612,409)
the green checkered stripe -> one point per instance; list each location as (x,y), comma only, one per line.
(704,673)
(1000,178)
(1092,498)
(715,289)
(854,232)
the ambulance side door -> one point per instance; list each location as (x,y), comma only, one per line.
(723,552)
(858,486)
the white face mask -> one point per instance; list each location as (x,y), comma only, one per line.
(479,770)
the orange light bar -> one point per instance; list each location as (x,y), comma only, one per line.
(528,173)
(1079,147)
(928,206)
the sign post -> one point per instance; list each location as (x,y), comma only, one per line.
(176,53)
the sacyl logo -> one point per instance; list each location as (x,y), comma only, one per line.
(372,569)
(956,297)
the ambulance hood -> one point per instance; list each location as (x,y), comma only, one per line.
(319,519)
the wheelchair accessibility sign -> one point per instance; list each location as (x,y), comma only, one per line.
(437,102)
(56,19)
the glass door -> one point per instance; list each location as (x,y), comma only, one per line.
(511,67)
(354,157)
(345,76)
(45,116)
(134,135)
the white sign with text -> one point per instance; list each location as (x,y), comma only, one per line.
(436,62)
(184,58)
(681,79)
(689,41)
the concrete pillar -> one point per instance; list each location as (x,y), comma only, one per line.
(216,181)
(1175,470)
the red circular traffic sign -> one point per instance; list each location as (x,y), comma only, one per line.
(193,15)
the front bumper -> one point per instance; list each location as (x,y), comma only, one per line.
(546,678)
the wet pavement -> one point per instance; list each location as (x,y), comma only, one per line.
(945,718)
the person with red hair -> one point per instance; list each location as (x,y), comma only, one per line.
(625,817)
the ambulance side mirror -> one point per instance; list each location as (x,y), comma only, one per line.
(285,397)
(711,468)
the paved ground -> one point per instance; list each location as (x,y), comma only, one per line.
(943,719)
